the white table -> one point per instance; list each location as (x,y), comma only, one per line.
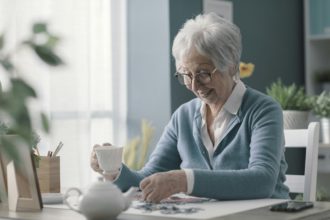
(209,210)
(222,210)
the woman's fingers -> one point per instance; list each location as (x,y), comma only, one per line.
(146,187)
(96,146)
(146,193)
(93,160)
(153,196)
(162,185)
(151,190)
(144,183)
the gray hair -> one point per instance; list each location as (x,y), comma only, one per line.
(213,37)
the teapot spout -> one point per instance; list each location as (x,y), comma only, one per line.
(129,195)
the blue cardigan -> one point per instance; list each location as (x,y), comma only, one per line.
(249,162)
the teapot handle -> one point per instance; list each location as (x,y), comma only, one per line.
(66,196)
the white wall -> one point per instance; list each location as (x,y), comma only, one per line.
(148,65)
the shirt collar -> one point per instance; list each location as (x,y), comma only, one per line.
(233,102)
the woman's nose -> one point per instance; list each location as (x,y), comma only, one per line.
(195,84)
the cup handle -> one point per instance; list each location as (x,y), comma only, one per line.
(67,195)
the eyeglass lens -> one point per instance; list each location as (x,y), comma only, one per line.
(186,79)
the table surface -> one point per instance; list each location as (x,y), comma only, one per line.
(321,210)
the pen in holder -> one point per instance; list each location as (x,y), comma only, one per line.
(49,174)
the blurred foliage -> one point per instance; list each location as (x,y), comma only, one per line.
(321,195)
(245,69)
(291,97)
(136,151)
(321,105)
(5,130)
(13,101)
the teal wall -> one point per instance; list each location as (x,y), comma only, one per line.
(180,11)
(148,80)
(272,39)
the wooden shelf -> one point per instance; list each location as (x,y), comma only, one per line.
(319,37)
(323,145)
(317,42)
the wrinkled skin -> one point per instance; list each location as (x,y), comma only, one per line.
(162,185)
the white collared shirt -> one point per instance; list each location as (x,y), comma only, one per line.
(220,125)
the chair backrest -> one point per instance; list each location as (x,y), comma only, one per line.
(309,138)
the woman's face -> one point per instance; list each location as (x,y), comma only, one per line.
(220,86)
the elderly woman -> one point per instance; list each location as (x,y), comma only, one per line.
(225,144)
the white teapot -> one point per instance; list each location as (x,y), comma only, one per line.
(103,200)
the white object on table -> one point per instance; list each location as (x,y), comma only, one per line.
(109,158)
(52,198)
(210,210)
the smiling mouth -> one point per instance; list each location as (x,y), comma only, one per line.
(205,94)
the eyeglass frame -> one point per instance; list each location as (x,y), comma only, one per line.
(191,77)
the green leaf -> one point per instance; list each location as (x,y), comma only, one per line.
(8,147)
(3,128)
(47,55)
(23,124)
(23,129)
(7,65)
(2,41)
(22,89)
(45,122)
(39,28)
(321,105)
(52,41)
(289,97)
(13,103)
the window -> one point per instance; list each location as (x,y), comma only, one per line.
(86,98)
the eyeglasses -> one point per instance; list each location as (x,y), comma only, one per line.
(203,77)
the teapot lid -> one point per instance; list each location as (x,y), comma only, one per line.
(103,185)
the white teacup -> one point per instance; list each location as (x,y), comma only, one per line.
(109,158)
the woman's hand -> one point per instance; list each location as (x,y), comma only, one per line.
(162,185)
(93,160)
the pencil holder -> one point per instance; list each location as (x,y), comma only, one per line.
(49,174)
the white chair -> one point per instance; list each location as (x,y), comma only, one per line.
(309,138)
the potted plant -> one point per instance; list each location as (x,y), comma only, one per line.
(14,98)
(321,109)
(295,103)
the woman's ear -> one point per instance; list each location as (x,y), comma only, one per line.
(233,71)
